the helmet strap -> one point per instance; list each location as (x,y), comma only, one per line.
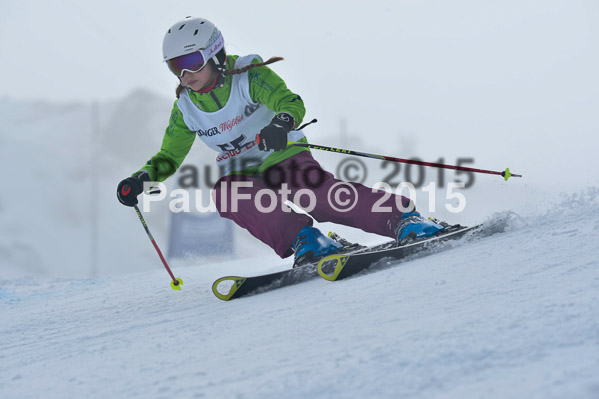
(210,88)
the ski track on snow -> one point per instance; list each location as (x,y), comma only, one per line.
(512,315)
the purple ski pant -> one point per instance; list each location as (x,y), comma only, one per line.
(278,228)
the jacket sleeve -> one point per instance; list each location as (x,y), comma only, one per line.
(176,144)
(266,87)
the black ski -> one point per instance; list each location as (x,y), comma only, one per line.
(339,266)
(242,286)
(232,287)
(237,287)
(357,258)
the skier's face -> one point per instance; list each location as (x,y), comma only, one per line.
(198,80)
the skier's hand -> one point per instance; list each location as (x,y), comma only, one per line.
(274,135)
(131,187)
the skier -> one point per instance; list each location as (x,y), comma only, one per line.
(226,100)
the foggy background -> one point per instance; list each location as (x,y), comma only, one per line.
(85,99)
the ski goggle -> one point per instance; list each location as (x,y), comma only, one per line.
(196,61)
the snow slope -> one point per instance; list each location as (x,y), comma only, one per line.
(515,315)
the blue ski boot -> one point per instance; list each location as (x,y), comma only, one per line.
(412,226)
(311,243)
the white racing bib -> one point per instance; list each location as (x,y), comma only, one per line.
(231,131)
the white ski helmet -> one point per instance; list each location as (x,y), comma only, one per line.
(192,35)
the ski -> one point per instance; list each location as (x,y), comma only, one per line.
(353,259)
(339,266)
(232,287)
(242,286)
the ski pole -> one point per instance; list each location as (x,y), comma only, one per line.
(177,282)
(506,173)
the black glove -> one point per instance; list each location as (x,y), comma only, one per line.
(131,187)
(274,135)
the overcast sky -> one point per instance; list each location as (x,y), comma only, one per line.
(69,49)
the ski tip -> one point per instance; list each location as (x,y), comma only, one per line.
(229,291)
(338,261)
(176,284)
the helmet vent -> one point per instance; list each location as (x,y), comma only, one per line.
(196,32)
(181,27)
(201,22)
